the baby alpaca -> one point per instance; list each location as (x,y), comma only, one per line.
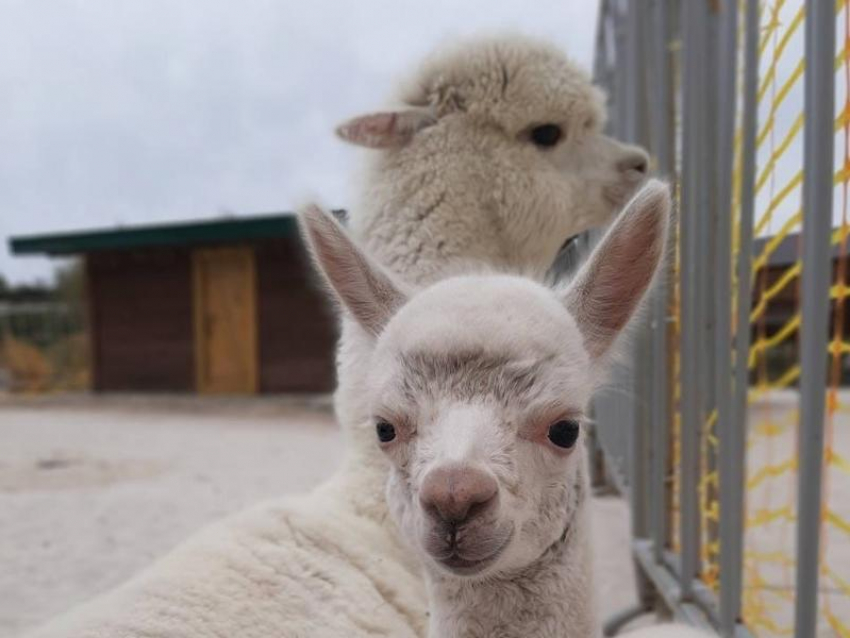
(477,388)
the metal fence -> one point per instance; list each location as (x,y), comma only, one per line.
(728,433)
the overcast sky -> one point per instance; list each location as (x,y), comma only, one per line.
(132,111)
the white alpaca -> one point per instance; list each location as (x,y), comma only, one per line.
(495,158)
(477,389)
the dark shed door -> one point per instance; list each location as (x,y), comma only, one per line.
(141,312)
(297,327)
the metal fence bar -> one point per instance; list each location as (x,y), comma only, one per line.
(734,450)
(818,142)
(635,132)
(620,75)
(709,284)
(568,260)
(600,58)
(669,589)
(638,70)
(614,410)
(660,110)
(621,404)
(689,349)
(730,479)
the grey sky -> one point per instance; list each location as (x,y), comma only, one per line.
(132,111)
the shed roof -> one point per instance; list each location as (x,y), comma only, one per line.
(209,231)
(788,250)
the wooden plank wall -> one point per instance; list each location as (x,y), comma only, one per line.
(141,320)
(297,326)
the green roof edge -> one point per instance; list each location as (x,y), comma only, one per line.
(177,234)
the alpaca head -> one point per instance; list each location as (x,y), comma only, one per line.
(523,124)
(478,387)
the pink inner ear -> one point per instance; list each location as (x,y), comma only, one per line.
(386,130)
(612,284)
(378,130)
(379,124)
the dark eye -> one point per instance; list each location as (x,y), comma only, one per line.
(564,433)
(546,135)
(386,431)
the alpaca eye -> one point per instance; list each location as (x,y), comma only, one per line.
(564,433)
(546,135)
(385,431)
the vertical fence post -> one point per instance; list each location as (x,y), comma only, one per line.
(600,56)
(620,28)
(634,132)
(660,109)
(690,347)
(818,143)
(728,427)
(614,410)
(711,286)
(734,449)
(601,76)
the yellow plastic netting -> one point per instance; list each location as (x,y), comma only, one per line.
(774,361)
(774,356)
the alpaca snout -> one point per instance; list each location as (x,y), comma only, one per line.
(631,169)
(453,495)
(628,162)
(635,163)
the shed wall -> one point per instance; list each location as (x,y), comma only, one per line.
(297,330)
(141,316)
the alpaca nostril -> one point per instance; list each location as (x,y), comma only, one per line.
(457,494)
(460,510)
(636,161)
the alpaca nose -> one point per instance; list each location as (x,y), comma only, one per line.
(637,160)
(456,494)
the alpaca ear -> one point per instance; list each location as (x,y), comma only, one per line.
(364,289)
(386,130)
(609,288)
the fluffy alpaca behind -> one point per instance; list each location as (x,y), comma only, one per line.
(477,391)
(492,153)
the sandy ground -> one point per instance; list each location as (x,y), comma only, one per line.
(92,490)
(770,541)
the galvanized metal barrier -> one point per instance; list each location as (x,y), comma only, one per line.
(707,86)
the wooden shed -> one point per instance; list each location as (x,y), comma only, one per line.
(223,306)
(777,285)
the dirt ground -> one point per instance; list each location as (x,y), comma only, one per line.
(94,489)
(770,542)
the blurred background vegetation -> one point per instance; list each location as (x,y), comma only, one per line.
(43,342)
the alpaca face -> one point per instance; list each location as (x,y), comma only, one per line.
(477,377)
(477,388)
(522,126)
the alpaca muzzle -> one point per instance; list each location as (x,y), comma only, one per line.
(460,503)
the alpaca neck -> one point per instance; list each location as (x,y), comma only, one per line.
(551,598)
(425,221)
